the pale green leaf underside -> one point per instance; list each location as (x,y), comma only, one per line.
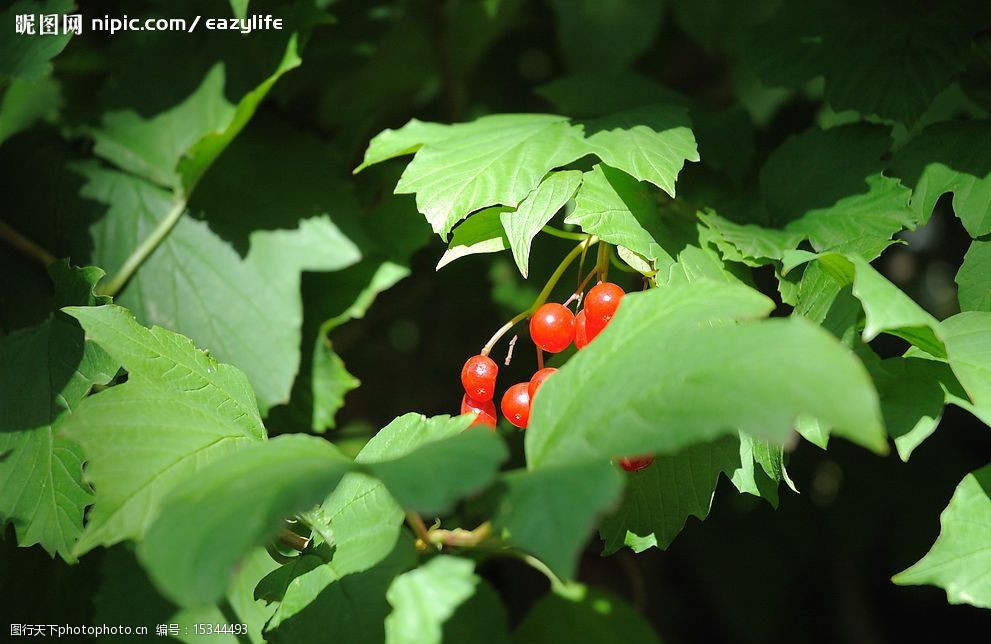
(682,345)
(482,233)
(968,350)
(960,560)
(389,144)
(974,278)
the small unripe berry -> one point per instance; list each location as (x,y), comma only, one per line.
(538,379)
(516,404)
(552,327)
(485,411)
(478,377)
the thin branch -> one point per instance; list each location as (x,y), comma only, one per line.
(26,246)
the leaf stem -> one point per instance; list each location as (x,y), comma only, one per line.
(542,296)
(295,541)
(564,234)
(25,245)
(146,248)
(602,261)
(415,522)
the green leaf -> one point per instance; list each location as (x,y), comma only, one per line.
(913,393)
(245,310)
(495,160)
(27,56)
(974,278)
(481,619)
(523,224)
(179,410)
(239,8)
(659,499)
(606,36)
(648,143)
(361,514)
(687,393)
(175,147)
(618,209)
(482,233)
(829,186)
(551,511)
(322,605)
(944,158)
(750,244)
(25,102)
(209,523)
(888,308)
(968,350)
(389,144)
(960,560)
(585,95)
(594,616)
(912,59)
(424,598)
(47,370)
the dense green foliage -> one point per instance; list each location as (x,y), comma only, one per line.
(196,420)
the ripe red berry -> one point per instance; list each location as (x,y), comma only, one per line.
(538,379)
(479,377)
(581,336)
(600,306)
(552,327)
(636,463)
(516,404)
(485,411)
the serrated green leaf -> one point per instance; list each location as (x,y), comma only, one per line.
(495,160)
(960,560)
(829,185)
(523,224)
(27,56)
(424,598)
(482,233)
(245,310)
(206,525)
(363,517)
(947,158)
(47,370)
(750,244)
(968,350)
(593,616)
(389,144)
(550,512)
(659,499)
(648,143)
(974,278)
(320,604)
(618,209)
(605,36)
(179,410)
(781,369)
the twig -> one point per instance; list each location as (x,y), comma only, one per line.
(291,539)
(27,246)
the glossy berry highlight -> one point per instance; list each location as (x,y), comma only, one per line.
(478,376)
(538,379)
(485,411)
(516,404)
(552,327)
(636,463)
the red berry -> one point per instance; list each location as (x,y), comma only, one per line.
(636,463)
(581,337)
(600,306)
(538,379)
(516,404)
(552,327)
(485,411)
(479,377)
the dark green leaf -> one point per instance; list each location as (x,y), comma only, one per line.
(594,616)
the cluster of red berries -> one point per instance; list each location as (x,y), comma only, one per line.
(553,327)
